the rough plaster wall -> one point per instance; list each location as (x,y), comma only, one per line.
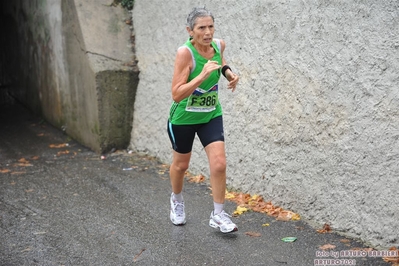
(314,123)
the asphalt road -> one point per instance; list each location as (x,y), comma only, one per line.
(61,204)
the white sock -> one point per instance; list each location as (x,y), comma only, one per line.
(218,208)
(177,197)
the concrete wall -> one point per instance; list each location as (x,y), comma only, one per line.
(314,123)
(72,62)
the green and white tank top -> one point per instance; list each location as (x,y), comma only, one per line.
(203,104)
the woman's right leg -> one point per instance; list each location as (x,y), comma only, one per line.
(176,173)
(182,138)
(178,169)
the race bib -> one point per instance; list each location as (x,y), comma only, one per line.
(203,101)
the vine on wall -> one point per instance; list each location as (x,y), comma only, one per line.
(128,4)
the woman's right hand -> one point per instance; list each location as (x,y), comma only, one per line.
(209,67)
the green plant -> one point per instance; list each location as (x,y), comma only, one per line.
(128,4)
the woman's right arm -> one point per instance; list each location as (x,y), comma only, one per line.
(182,89)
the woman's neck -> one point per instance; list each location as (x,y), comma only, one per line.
(206,51)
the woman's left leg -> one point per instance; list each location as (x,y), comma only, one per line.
(217,164)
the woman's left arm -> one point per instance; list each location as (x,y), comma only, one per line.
(228,73)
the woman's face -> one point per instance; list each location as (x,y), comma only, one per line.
(203,30)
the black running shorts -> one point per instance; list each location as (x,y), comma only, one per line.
(182,136)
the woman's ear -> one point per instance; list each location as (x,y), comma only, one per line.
(190,32)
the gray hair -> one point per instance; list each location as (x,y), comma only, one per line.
(197,12)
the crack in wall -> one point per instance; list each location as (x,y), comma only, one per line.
(108,57)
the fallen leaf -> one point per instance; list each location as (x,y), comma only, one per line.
(284,216)
(344,240)
(266,224)
(196,179)
(327,246)
(18,173)
(289,239)
(57,146)
(23,164)
(257,204)
(393,259)
(253,234)
(23,160)
(27,249)
(240,210)
(296,217)
(62,152)
(138,255)
(4,171)
(229,195)
(326,229)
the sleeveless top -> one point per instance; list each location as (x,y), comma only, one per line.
(203,104)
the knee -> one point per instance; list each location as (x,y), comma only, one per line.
(180,167)
(219,165)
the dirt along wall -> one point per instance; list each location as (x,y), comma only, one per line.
(73,64)
(313,125)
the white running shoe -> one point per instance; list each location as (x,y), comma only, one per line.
(223,222)
(177,214)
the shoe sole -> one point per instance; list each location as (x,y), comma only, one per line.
(216,226)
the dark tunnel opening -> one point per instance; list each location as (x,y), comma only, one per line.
(8,59)
(48,70)
(12,91)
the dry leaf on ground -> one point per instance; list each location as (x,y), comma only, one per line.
(23,160)
(240,210)
(394,259)
(196,179)
(257,204)
(18,173)
(327,246)
(326,229)
(57,146)
(62,152)
(253,234)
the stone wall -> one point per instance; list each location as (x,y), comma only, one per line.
(314,123)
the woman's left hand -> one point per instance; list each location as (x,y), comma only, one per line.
(233,80)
